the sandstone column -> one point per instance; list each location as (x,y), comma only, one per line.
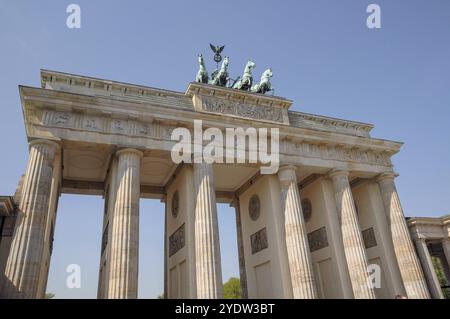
(27,248)
(123,273)
(428,268)
(166,255)
(409,265)
(299,256)
(354,250)
(446,248)
(240,241)
(207,247)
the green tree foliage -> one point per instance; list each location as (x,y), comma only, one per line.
(49,295)
(441,276)
(232,289)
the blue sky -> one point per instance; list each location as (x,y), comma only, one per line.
(323,57)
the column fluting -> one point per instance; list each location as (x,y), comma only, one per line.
(124,262)
(26,253)
(355,253)
(207,246)
(299,256)
(428,268)
(411,272)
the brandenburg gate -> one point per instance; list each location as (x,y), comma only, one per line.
(312,229)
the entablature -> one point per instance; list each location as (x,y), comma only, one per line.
(62,115)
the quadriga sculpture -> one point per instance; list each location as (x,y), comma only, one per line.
(264,84)
(245,83)
(202,74)
(220,77)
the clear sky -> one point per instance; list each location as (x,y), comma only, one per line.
(323,57)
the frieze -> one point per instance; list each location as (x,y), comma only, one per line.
(106,125)
(133,127)
(92,123)
(62,119)
(236,108)
(333,152)
(117,126)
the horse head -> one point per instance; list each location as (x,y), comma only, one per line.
(267,74)
(225,62)
(200,59)
(249,66)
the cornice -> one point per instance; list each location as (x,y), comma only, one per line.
(61,81)
(48,77)
(435,221)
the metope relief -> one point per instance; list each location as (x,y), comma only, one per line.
(259,241)
(62,119)
(117,126)
(317,239)
(107,124)
(369,238)
(92,123)
(333,152)
(177,240)
(251,111)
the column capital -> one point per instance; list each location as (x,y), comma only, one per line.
(337,172)
(386,176)
(234,202)
(287,173)
(44,141)
(419,238)
(130,150)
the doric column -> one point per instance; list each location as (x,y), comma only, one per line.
(409,265)
(27,248)
(166,255)
(51,223)
(354,250)
(207,247)
(428,268)
(299,256)
(391,266)
(123,273)
(446,248)
(241,255)
(105,258)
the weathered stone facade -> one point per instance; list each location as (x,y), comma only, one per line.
(92,136)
